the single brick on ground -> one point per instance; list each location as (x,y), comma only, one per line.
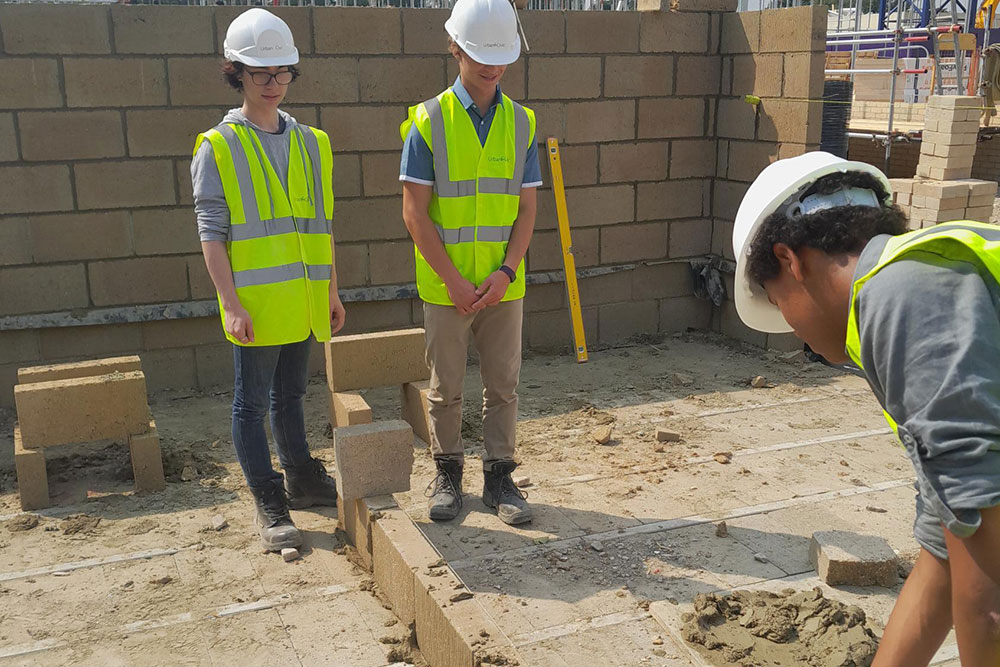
(32,483)
(416,408)
(147,462)
(378,359)
(79,369)
(373,459)
(349,410)
(844,558)
(356,518)
(399,551)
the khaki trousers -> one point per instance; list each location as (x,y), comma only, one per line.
(496,333)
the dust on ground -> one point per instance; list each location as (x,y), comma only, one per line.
(761,629)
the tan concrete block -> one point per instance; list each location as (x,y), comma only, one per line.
(15,241)
(551,120)
(661,281)
(938,215)
(392,263)
(346,175)
(747,159)
(120,82)
(125,184)
(979,188)
(637,76)
(358,30)
(182,175)
(415,408)
(452,634)
(370,219)
(690,238)
(380,173)
(976,202)
(197,82)
(608,120)
(8,138)
(82,409)
(299,19)
(423,31)
(841,557)
(671,199)
(373,459)
(147,463)
(349,410)
(789,121)
(939,190)
(692,158)
(356,518)
(41,289)
(600,205)
(160,132)
(698,75)
(43,28)
(740,32)
(545,30)
(760,74)
(165,232)
(687,5)
(59,343)
(952,101)
(170,369)
(645,161)
(379,316)
(967,139)
(549,296)
(670,32)
(600,32)
(141,280)
(901,185)
(798,29)
(545,253)
(804,75)
(325,80)
(618,322)
(669,117)
(980,213)
(633,242)
(737,119)
(950,162)
(399,550)
(375,360)
(69,236)
(727,198)
(199,282)
(196,331)
(946,174)
(685,313)
(163,29)
(35,189)
(352,264)
(214,365)
(561,77)
(364,128)
(44,91)
(71,135)
(32,482)
(579,166)
(955,126)
(78,369)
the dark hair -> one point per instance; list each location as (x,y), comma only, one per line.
(231,71)
(835,231)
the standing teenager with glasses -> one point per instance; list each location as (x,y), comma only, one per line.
(263,191)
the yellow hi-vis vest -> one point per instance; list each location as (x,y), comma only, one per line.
(279,240)
(477,188)
(963,240)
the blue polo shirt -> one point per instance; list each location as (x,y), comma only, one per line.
(417,163)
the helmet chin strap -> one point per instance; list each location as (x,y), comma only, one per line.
(520,28)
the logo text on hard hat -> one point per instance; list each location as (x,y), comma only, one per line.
(495,45)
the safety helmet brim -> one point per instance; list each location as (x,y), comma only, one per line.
(485,56)
(772,188)
(291,58)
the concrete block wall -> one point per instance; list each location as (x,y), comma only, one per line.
(95,194)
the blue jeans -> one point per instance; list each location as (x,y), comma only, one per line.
(272,377)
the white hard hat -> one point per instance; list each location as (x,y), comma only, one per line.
(773,188)
(260,39)
(486,30)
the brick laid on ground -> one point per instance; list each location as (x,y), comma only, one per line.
(349,410)
(375,360)
(78,370)
(844,558)
(373,459)
(399,550)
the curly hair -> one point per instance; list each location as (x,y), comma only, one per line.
(842,229)
(231,71)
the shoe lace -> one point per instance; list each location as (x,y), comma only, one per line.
(507,486)
(442,482)
(320,470)
(275,503)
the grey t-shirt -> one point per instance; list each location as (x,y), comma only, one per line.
(209,198)
(930,347)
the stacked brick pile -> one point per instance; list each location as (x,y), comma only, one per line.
(930,202)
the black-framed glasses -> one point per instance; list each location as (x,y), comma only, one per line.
(282,78)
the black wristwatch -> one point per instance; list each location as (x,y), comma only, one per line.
(508,272)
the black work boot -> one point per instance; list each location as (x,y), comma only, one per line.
(446,497)
(310,485)
(271,517)
(500,494)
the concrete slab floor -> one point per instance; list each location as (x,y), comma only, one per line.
(618,526)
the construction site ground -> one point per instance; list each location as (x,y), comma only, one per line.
(107,577)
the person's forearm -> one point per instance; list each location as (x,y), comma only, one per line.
(221,271)
(425,236)
(524,228)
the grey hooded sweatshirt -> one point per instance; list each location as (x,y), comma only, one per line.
(209,198)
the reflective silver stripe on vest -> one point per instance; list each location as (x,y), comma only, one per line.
(270,275)
(495,234)
(314,226)
(455,236)
(261,228)
(445,187)
(319,271)
(243,180)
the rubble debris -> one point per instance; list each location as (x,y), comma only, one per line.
(601,434)
(189,474)
(290,554)
(663,435)
(79,523)
(22,522)
(461,595)
(597,546)
(683,379)
(758,382)
(723,457)
(722,530)
(219,522)
(844,558)
(521,482)
(161,581)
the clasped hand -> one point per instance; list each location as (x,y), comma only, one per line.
(470,299)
